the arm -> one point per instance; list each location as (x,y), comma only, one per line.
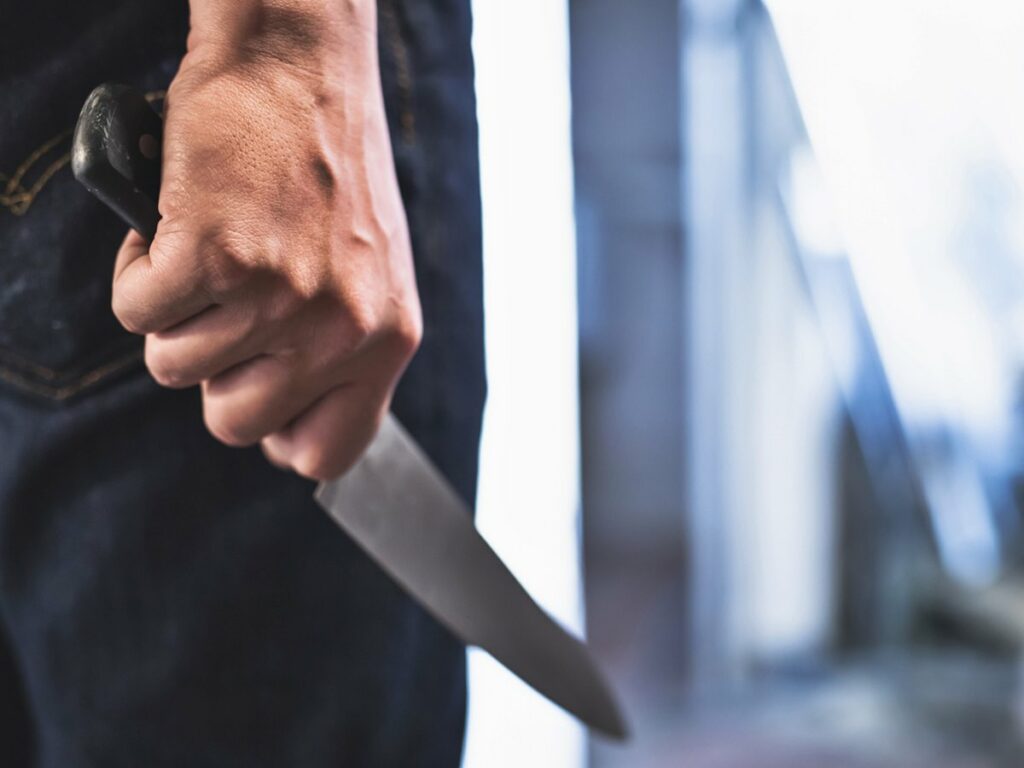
(280,277)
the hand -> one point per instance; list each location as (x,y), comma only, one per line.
(280,277)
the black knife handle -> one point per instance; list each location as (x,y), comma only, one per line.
(115,154)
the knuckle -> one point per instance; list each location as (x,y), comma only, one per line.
(312,462)
(360,320)
(308,283)
(274,448)
(228,262)
(355,326)
(408,334)
(358,327)
(225,427)
(165,367)
(169,245)
(128,313)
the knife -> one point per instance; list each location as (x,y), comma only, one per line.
(394,503)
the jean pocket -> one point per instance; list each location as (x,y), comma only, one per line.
(58,336)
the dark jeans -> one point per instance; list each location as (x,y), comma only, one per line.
(165,600)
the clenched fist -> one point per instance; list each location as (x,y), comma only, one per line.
(280,278)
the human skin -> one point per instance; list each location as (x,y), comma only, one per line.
(280,278)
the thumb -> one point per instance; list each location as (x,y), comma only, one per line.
(133,247)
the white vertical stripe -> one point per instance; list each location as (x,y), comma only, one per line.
(529,486)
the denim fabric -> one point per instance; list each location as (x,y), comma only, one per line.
(165,600)
(55,243)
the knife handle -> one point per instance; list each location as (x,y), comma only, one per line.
(115,154)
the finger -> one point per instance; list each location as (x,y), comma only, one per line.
(273,458)
(205,346)
(151,295)
(329,437)
(255,399)
(263,394)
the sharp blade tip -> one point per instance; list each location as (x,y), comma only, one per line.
(613,725)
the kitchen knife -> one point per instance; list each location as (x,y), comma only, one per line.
(394,502)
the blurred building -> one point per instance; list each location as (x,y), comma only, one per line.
(800,282)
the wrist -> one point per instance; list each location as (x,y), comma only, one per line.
(305,33)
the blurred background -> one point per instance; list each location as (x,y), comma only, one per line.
(755,294)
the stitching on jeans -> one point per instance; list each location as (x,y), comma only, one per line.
(88,379)
(11,359)
(403,70)
(16,197)
(39,371)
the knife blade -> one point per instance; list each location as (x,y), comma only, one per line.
(394,503)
